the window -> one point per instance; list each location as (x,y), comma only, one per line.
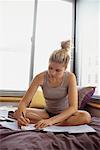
(16,25)
(29,32)
(54,24)
(88,43)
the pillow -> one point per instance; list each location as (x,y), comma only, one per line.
(38,100)
(84,95)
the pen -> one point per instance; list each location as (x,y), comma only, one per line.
(23,127)
(23,115)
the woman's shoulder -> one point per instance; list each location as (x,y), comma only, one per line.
(41,74)
(70,76)
(69,73)
(40,77)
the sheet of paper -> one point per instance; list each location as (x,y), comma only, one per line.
(14,126)
(8,108)
(3,113)
(10,125)
(28,127)
(70,129)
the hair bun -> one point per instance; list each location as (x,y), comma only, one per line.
(65,45)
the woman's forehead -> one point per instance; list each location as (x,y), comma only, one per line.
(56,65)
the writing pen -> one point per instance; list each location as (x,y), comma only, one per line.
(23,115)
(23,127)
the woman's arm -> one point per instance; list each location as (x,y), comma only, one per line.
(25,101)
(21,112)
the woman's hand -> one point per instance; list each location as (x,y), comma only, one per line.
(43,123)
(23,121)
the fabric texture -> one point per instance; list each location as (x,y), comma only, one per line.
(32,140)
(38,100)
(84,95)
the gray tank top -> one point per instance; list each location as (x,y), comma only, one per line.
(55,97)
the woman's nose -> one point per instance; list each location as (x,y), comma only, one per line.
(53,72)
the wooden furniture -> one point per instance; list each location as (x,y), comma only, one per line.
(93,108)
(9,101)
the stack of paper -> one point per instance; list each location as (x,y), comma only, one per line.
(70,129)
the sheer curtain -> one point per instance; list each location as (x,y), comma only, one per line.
(88,43)
(16,25)
(54,24)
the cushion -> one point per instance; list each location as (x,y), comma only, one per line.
(84,95)
(38,100)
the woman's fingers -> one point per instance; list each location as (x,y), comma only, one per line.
(38,124)
(44,123)
(41,124)
(23,121)
(28,121)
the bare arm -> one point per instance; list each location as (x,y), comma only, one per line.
(37,81)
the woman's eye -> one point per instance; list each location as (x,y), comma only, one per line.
(57,70)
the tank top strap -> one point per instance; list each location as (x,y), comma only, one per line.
(45,78)
(64,82)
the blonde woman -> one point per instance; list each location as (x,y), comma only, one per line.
(60,93)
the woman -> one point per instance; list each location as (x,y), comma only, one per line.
(60,93)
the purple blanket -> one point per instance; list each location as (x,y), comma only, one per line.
(35,140)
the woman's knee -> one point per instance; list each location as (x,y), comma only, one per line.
(85,116)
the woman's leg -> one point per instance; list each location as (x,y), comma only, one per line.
(79,118)
(33,114)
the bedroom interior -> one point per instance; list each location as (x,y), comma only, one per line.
(84,19)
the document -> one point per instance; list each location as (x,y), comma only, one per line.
(3,113)
(4,116)
(10,125)
(69,129)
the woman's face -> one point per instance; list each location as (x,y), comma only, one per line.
(56,70)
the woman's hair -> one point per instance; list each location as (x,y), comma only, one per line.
(61,55)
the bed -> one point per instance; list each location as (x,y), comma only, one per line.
(39,140)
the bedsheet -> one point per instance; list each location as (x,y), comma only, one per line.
(39,140)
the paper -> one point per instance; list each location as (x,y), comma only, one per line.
(8,108)
(70,129)
(4,116)
(28,127)
(3,113)
(10,125)
(53,128)
(14,126)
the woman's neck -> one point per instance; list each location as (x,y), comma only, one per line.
(54,82)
